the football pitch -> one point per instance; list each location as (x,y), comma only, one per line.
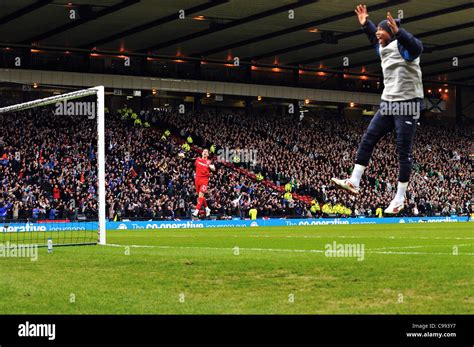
(340,269)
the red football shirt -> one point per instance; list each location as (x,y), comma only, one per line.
(202,168)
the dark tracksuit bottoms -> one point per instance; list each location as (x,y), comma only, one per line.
(382,124)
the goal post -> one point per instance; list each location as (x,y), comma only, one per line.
(97,91)
(101,161)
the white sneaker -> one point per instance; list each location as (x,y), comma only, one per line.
(394,207)
(195,213)
(208,211)
(346,184)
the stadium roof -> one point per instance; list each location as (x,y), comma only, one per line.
(320,34)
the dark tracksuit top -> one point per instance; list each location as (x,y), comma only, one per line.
(400,64)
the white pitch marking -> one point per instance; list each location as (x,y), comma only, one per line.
(327,236)
(279,249)
(422,246)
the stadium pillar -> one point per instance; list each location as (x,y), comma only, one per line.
(458,104)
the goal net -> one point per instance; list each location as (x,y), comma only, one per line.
(52,169)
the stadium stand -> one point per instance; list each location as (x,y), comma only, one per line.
(48,166)
(56,177)
(309,153)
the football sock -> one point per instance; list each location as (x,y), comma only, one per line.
(357,174)
(199,204)
(401,190)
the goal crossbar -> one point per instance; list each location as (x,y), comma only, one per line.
(50,100)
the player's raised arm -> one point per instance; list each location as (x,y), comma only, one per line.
(411,47)
(368,27)
(362,14)
(392,24)
(183,156)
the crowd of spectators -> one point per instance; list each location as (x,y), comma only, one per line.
(48,170)
(311,150)
(147,179)
(48,166)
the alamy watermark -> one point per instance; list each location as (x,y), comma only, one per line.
(75,108)
(355,250)
(12,250)
(401,108)
(238,155)
(28,329)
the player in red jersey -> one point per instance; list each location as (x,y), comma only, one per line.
(203,171)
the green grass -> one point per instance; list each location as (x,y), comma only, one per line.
(415,261)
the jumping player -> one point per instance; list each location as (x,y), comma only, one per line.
(203,167)
(400,53)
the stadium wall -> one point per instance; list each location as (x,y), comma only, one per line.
(82,80)
(191,224)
